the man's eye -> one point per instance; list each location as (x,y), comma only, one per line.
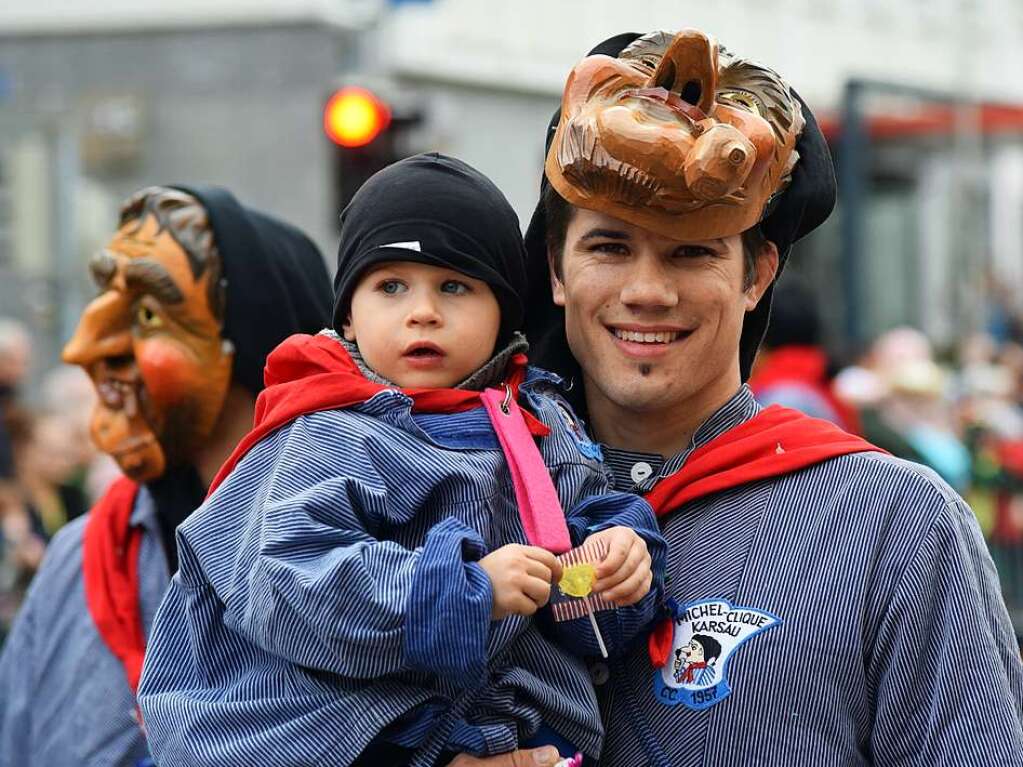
(147,318)
(613,248)
(454,287)
(391,287)
(692,251)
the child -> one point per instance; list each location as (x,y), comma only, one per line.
(357,590)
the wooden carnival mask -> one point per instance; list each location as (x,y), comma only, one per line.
(151,340)
(676,135)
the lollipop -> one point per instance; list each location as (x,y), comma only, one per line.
(577,581)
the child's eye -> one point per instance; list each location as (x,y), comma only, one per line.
(454,287)
(392,287)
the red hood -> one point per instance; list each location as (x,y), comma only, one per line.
(308,374)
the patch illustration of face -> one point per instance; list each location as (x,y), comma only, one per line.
(676,135)
(151,340)
(706,636)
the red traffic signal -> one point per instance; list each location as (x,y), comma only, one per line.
(355,116)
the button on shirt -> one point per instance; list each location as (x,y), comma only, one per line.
(638,472)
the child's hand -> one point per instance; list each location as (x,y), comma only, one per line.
(520,577)
(624,576)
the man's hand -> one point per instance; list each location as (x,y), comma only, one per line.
(624,575)
(520,577)
(533,757)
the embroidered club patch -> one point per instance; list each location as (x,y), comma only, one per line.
(589,449)
(706,635)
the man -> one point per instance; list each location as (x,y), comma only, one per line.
(841,583)
(194,291)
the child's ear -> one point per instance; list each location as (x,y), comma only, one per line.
(347,331)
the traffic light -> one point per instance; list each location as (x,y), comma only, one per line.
(354,117)
(367,132)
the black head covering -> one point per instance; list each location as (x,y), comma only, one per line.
(801,208)
(795,320)
(437,210)
(277,281)
(277,285)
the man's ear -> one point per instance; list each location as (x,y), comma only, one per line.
(557,286)
(347,330)
(767,269)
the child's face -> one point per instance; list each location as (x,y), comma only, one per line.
(423,326)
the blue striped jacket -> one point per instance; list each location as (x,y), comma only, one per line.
(329,594)
(852,615)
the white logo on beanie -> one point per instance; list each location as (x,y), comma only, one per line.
(411,245)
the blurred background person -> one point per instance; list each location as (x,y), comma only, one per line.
(15,360)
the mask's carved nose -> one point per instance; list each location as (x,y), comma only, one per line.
(719,163)
(689,69)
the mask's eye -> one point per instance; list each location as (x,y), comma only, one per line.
(741,99)
(147,319)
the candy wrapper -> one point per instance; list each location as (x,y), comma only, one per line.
(573,597)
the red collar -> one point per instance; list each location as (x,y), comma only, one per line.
(307,374)
(110,562)
(774,442)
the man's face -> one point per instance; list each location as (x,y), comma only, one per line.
(152,346)
(655,323)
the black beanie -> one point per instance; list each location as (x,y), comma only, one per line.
(277,281)
(436,210)
(801,208)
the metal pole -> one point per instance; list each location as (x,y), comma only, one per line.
(852,185)
(65,263)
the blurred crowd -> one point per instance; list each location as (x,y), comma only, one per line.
(50,472)
(959,411)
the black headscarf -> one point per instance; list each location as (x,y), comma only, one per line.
(801,208)
(277,281)
(277,285)
(437,210)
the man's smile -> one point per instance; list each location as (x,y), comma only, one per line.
(647,340)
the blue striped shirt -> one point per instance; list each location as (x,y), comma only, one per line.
(64,698)
(329,594)
(850,612)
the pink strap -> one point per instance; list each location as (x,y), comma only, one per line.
(542,516)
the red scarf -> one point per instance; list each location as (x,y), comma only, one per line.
(110,562)
(308,374)
(687,677)
(775,442)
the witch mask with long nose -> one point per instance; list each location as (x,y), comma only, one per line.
(676,135)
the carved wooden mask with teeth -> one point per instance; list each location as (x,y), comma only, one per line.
(676,135)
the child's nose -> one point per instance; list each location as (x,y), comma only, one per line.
(424,312)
